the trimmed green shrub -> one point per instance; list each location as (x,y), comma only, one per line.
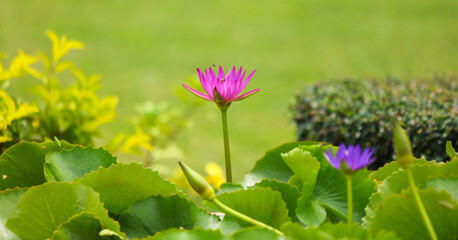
(361,112)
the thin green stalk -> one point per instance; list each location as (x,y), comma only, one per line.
(227,151)
(244,217)
(421,207)
(350,206)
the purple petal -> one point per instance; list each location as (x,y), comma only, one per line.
(212,74)
(336,163)
(199,94)
(239,73)
(230,75)
(246,94)
(204,82)
(354,156)
(221,73)
(341,152)
(247,80)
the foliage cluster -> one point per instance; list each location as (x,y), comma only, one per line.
(66,103)
(361,112)
(55,190)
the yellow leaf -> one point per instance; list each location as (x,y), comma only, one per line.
(20,64)
(72,44)
(60,47)
(63,66)
(4,138)
(34,73)
(24,110)
(134,142)
(53,37)
(8,102)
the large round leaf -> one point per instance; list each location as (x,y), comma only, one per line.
(390,168)
(255,233)
(272,166)
(44,208)
(22,164)
(324,232)
(122,185)
(324,188)
(229,187)
(398,181)
(262,204)
(297,232)
(289,194)
(80,227)
(449,184)
(8,200)
(195,234)
(399,213)
(331,191)
(67,165)
(306,168)
(158,213)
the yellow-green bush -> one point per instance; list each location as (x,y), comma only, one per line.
(72,113)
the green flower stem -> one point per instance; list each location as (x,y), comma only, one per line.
(420,205)
(350,205)
(244,217)
(227,151)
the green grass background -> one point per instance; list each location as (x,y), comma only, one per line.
(144,49)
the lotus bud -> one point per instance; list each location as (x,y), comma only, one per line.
(198,183)
(402,146)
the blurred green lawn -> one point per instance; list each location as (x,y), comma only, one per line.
(145,48)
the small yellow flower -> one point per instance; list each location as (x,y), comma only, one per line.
(215,175)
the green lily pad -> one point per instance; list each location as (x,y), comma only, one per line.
(8,200)
(229,187)
(22,164)
(195,234)
(305,168)
(268,208)
(289,194)
(122,185)
(398,181)
(255,233)
(389,168)
(271,165)
(324,232)
(158,213)
(449,184)
(297,232)
(42,209)
(399,213)
(67,165)
(84,226)
(340,231)
(324,188)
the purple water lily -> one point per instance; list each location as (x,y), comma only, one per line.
(228,86)
(353,156)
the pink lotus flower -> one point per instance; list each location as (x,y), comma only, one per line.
(223,89)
